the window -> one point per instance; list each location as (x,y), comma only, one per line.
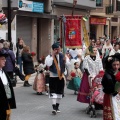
(114,19)
(99,3)
(118,6)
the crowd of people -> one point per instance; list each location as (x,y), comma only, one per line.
(91,72)
(83,68)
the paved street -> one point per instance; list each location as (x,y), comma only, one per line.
(38,107)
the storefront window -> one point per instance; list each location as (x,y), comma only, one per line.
(99,3)
(56,30)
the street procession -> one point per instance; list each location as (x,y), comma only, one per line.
(59,59)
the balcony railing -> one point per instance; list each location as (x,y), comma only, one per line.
(109,9)
(118,7)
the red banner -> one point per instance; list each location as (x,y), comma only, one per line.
(98,21)
(73,32)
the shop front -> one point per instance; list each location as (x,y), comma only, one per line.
(34,26)
(99,27)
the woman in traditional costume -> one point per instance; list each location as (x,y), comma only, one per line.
(92,65)
(111,105)
(106,50)
(99,47)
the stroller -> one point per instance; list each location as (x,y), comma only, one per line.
(96,95)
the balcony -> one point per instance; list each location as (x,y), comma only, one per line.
(109,9)
(117,9)
(81,4)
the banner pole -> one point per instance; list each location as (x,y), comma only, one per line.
(63,33)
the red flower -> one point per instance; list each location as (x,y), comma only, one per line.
(117,76)
(101,73)
(73,74)
(33,53)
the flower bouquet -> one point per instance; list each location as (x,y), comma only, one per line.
(117,84)
(33,53)
(73,74)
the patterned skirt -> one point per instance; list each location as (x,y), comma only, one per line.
(39,83)
(84,90)
(107,108)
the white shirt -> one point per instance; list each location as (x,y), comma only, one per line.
(3,77)
(49,62)
(93,67)
(73,53)
(112,52)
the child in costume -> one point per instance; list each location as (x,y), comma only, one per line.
(76,76)
(39,82)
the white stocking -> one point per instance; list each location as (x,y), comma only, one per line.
(53,101)
(58,100)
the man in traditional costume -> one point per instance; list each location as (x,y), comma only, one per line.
(56,64)
(7,99)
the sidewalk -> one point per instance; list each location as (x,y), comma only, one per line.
(20,82)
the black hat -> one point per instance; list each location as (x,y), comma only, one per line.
(3,53)
(116,55)
(55,45)
(110,59)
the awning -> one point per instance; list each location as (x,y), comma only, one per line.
(37,15)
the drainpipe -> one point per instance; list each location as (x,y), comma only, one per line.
(9,21)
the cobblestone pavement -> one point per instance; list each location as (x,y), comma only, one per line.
(38,107)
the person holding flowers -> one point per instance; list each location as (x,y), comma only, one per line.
(111,88)
(76,76)
(28,66)
(92,65)
(33,54)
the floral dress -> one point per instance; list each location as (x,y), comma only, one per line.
(39,82)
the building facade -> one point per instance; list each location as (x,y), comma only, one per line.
(107,19)
(65,7)
(40,30)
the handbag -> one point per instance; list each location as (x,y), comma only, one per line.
(17,70)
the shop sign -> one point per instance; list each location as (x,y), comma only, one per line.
(98,21)
(25,5)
